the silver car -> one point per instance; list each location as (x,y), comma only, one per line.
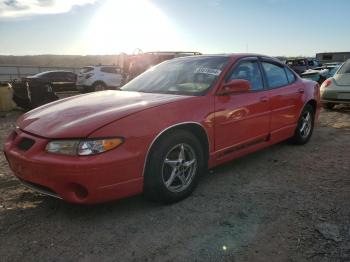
(336,90)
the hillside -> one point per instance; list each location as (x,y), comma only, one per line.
(58,60)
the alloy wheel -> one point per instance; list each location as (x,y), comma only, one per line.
(306,124)
(179,167)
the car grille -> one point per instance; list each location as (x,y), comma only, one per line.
(25,144)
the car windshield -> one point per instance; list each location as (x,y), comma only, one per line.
(345,68)
(182,76)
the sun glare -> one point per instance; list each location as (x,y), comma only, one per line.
(124,25)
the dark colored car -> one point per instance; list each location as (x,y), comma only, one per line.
(42,88)
(60,81)
(300,65)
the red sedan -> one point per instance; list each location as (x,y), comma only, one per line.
(162,130)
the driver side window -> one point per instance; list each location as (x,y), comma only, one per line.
(248,70)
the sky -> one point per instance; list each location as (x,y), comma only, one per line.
(88,27)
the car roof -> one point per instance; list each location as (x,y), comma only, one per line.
(234,56)
(56,71)
(102,66)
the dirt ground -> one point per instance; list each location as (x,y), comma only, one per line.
(285,203)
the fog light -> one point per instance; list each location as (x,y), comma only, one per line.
(78,190)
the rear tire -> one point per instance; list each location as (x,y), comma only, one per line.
(305,127)
(174,166)
(99,86)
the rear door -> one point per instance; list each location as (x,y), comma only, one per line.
(67,80)
(58,81)
(242,119)
(286,97)
(111,76)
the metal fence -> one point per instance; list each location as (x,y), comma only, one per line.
(11,72)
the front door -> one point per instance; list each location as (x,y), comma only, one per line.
(242,119)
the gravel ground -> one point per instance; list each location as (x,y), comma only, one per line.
(285,203)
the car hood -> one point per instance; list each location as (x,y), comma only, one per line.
(79,116)
(342,79)
(313,71)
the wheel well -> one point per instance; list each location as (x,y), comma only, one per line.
(99,82)
(313,103)
(196,129)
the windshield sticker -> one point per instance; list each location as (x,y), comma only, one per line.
(208,71)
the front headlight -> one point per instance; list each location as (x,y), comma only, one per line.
(83,147)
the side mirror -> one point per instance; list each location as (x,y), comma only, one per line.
(235,86)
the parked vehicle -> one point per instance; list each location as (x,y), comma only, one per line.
(300,65)
(99,78)
(59,81)
(162,130)
(336,90)
(320,74)
(42,88)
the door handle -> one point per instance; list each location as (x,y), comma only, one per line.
(301,91)
(264,99)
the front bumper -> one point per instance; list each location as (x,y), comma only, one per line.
(91,179)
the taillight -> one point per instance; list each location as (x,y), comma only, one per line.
(327,83)
(88,76)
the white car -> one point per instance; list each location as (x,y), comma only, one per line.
(98,78)
(336,90)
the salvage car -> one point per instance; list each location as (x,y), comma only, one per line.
(300,65)
(336,90)
(59,80)
(162,130)
(42,88)
(320,74)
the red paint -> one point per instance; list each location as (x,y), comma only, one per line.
(235,125)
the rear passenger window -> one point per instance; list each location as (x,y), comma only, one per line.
(290,75)
(111,70)
(86,69)
(248,70)
(276,76)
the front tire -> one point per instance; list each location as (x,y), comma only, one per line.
(174,166)
(305,127)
